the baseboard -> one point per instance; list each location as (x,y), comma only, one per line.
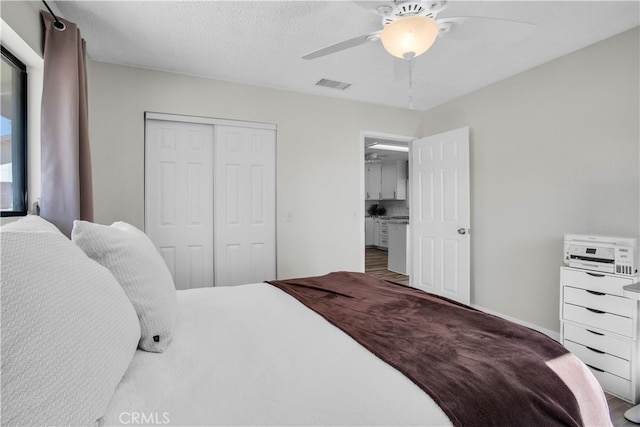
(551,334)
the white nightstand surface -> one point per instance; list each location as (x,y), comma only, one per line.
(633,291)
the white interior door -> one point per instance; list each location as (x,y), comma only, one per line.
(179,198)
(245,206)
(440,214)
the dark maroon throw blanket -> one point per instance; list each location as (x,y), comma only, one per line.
(480,369)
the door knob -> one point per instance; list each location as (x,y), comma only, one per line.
(462,231)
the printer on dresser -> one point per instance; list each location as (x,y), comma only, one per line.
(599,320)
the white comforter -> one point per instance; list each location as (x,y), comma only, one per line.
(253,355)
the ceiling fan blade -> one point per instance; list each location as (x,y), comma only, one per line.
(356,41)
(485,29)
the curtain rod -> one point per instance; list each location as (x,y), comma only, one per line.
(59,25)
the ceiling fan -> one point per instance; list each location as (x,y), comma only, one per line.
(417,23)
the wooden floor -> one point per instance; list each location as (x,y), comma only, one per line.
(617,408)
(376,264)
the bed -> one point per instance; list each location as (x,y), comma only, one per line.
(84,343)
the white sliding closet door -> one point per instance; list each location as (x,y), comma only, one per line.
(245,205)
(210,199)
(179,198)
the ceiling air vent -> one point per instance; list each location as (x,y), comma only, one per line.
(333,84)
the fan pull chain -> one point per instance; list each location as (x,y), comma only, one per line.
(410,84)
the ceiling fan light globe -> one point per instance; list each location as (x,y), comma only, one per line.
(409,36)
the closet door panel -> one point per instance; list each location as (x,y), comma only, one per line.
(178,198)
(245,205)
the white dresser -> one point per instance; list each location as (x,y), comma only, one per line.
(599,324)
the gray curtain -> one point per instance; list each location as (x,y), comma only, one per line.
(67,191)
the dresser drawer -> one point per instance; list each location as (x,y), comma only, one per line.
(600,320)
(595,281)
(600,301)
(600,360)
(600,341)
(613,384)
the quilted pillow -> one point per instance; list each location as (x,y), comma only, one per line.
(69,332)
(31,223)
(134,260)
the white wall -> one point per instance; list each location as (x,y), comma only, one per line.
(24,18)
(320,168)
(553,150)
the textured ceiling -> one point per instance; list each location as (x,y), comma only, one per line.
(261,43)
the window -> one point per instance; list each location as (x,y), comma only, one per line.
(13,136)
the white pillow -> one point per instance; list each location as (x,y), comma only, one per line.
(134,260)
(69,332)
(31,223)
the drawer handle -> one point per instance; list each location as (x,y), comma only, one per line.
(595,293)
(594,275)
(595,369)
(594,332)
(593,310)
(595,350)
